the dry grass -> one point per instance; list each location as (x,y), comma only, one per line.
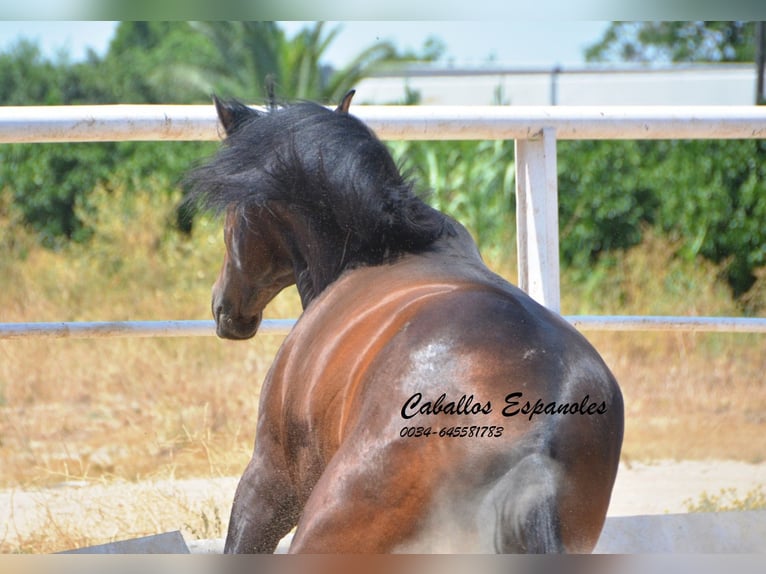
(105,411)
(684,401)
(76,515)
(124,408)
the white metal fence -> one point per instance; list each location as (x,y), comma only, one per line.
(534,129)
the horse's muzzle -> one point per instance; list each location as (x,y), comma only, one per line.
(236,328)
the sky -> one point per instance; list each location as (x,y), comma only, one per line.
(536,44)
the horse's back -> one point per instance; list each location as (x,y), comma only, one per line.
(441,367)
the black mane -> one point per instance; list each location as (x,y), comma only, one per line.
(326,166)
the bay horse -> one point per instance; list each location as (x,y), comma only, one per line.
(421,403)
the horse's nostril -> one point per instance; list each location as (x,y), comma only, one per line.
(223,316)
(217,312)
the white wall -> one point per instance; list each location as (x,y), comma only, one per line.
(689,85)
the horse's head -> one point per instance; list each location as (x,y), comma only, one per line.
(308,195)
(258,263)
(256,267)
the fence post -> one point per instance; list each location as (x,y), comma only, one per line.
(537,218)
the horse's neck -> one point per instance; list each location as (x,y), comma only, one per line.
(458,243)
(316,268)
(312,278)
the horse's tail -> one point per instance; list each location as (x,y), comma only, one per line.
(525,502)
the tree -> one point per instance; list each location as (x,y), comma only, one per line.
(148,63)
(143,57)
(249,52)
(26,77)
(673,42)
(47,181)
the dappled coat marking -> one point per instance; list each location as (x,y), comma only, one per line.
(404,329)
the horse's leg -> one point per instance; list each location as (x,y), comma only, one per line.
(265,508)
(372,499)
(587,488)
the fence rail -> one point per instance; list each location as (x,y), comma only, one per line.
(146,329)
(59,124)
(535,130)
(122,329)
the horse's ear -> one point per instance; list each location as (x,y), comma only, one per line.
(233,114)
(271,91)
(345,103)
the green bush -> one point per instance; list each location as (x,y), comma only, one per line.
(708,196)
(473,181)
(604,200)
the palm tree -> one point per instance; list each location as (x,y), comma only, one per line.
(249,52)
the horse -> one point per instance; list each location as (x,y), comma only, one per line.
(421,403)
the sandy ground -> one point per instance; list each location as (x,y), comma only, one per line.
(664,487)
(641,489)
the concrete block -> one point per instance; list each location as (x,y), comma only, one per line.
(708,533)
(741,532)
(166,543)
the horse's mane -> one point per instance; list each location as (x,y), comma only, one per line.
(327,166)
